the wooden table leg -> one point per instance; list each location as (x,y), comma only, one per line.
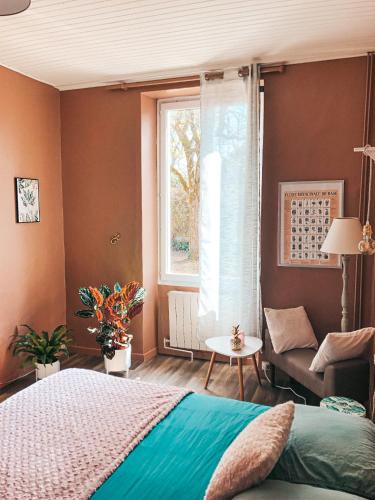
(256,368)
(213,356)
(240,378)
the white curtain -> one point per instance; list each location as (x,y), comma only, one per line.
(230,180)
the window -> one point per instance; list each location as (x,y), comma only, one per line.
(179,146)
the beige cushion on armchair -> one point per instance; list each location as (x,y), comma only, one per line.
(339,346)
(290,329)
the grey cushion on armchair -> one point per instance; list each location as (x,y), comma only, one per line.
(348,378)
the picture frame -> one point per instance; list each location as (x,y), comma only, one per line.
(27,200)
(305,213)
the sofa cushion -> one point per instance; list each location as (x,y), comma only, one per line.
(290,329)
(340,346)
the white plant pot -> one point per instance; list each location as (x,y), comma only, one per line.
(42,371)
(121,362)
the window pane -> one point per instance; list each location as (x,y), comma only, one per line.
(183,143)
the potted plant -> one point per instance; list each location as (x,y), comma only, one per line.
(114,312)
(43,349)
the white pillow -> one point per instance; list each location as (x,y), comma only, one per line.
(339,346)
(290,329)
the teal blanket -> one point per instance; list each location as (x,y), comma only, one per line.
(178,457)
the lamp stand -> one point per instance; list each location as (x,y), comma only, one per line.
(344,295)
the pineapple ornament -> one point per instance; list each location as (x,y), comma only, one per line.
(236,341)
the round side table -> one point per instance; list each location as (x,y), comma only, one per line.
(221,345)
(343,405)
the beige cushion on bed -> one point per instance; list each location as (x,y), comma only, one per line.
(290,329)
(339,346)
(253,454)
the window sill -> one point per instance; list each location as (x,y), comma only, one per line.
(180,281)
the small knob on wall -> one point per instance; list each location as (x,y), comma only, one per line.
(115,238)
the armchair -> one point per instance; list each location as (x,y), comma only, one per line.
(350,378)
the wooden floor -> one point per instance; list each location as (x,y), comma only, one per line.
(180,372)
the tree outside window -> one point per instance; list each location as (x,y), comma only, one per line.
(180,161)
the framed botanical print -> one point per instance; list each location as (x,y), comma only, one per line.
(27,200)
(306,211)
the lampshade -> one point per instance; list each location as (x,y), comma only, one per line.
(343,236)
(10,7)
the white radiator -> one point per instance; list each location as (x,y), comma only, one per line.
(183,321)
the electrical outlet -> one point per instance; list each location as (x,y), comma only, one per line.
(265,365)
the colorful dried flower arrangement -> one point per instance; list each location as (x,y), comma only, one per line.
(114,311)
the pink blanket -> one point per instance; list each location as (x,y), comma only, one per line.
(63,436)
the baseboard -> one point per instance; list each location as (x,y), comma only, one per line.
(138,356)
(142,357)
(150,354)
(3,384)
(90,351)
(203,355)
(95,351)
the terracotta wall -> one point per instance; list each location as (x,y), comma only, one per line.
(101,151)
(110,186)
(368,297)
(313,118)
(149,223)
(32,286)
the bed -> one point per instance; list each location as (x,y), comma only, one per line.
(81,434)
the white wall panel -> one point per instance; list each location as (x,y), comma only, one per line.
(83,43)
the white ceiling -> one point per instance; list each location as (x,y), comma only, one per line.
(82,43)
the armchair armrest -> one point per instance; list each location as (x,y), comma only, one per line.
(348,378)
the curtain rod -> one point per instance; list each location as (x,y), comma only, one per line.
(243,71)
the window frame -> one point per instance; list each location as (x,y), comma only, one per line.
(166,277)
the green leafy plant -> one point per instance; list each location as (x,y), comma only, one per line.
(42,348)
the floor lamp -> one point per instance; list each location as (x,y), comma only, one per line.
(342,239)
(10,7)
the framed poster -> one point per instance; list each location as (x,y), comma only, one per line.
(27,200)
(306,211)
